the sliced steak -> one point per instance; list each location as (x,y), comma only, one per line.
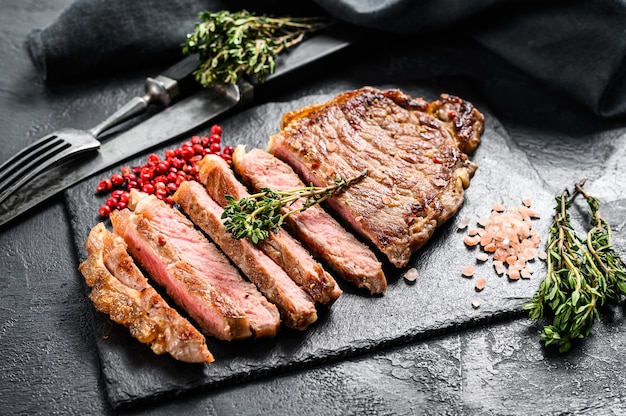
(416,154)
(115,257)
(198,276)
(295,306)
(286,251)
(314,227)
(120,290)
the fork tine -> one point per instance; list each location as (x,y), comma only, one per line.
(41,145)
(47,152)
(30,158)
(52,150)
(44,162)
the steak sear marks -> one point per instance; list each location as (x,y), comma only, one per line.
(416,154)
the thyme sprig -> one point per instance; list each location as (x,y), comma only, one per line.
(582,275)
(230,44)
(254,216)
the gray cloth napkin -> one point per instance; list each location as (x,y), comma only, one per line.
(93,37)
(576,47)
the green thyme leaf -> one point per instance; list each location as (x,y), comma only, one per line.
(582,275)
(254,216)
(232,44)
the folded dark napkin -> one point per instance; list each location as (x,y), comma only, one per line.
(93,37)
(575,47)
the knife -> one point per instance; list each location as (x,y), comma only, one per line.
(174,122)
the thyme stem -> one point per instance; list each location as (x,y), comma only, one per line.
(582,274)
(254,216)
(231,44)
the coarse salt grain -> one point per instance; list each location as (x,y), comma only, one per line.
(463,223)
(482,256)
(499,267)
(480,284)
(471,240)
(411,275)
(468,271)
(507,234)
(513,274)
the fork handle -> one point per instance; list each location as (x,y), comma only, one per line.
(133,108)
(174,83)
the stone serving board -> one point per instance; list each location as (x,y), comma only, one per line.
(440,301)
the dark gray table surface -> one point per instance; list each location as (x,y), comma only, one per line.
(49,363)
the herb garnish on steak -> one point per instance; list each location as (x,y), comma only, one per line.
(296,307)
(220,180)
(326,238)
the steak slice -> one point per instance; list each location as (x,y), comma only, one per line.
(120,290)
(113,251)
(295,306)
(416,154)
(314,227)
(198,276)
(286,251)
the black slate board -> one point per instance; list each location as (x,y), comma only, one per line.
(440,300)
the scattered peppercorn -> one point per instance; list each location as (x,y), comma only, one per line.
(162,176)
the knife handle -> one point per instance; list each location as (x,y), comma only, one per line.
(175,82)
(182,74)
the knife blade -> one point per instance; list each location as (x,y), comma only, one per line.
(174,122)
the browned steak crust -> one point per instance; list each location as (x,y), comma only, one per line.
(326,238)
(119,289)
(220,180)
(416,154)
(296,307)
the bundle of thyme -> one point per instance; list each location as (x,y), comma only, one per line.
(254,216)
(230,44)
(583,274)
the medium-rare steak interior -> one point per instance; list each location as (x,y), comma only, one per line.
(120,290)
(220,180)
(314,227)
(195,273)
(416,154)
(296,307)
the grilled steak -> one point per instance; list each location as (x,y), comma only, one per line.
(416,154)
(286,251)
(314,227)
(120,290)
(194,272)
(295,306)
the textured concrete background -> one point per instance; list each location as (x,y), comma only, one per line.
(49,363)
